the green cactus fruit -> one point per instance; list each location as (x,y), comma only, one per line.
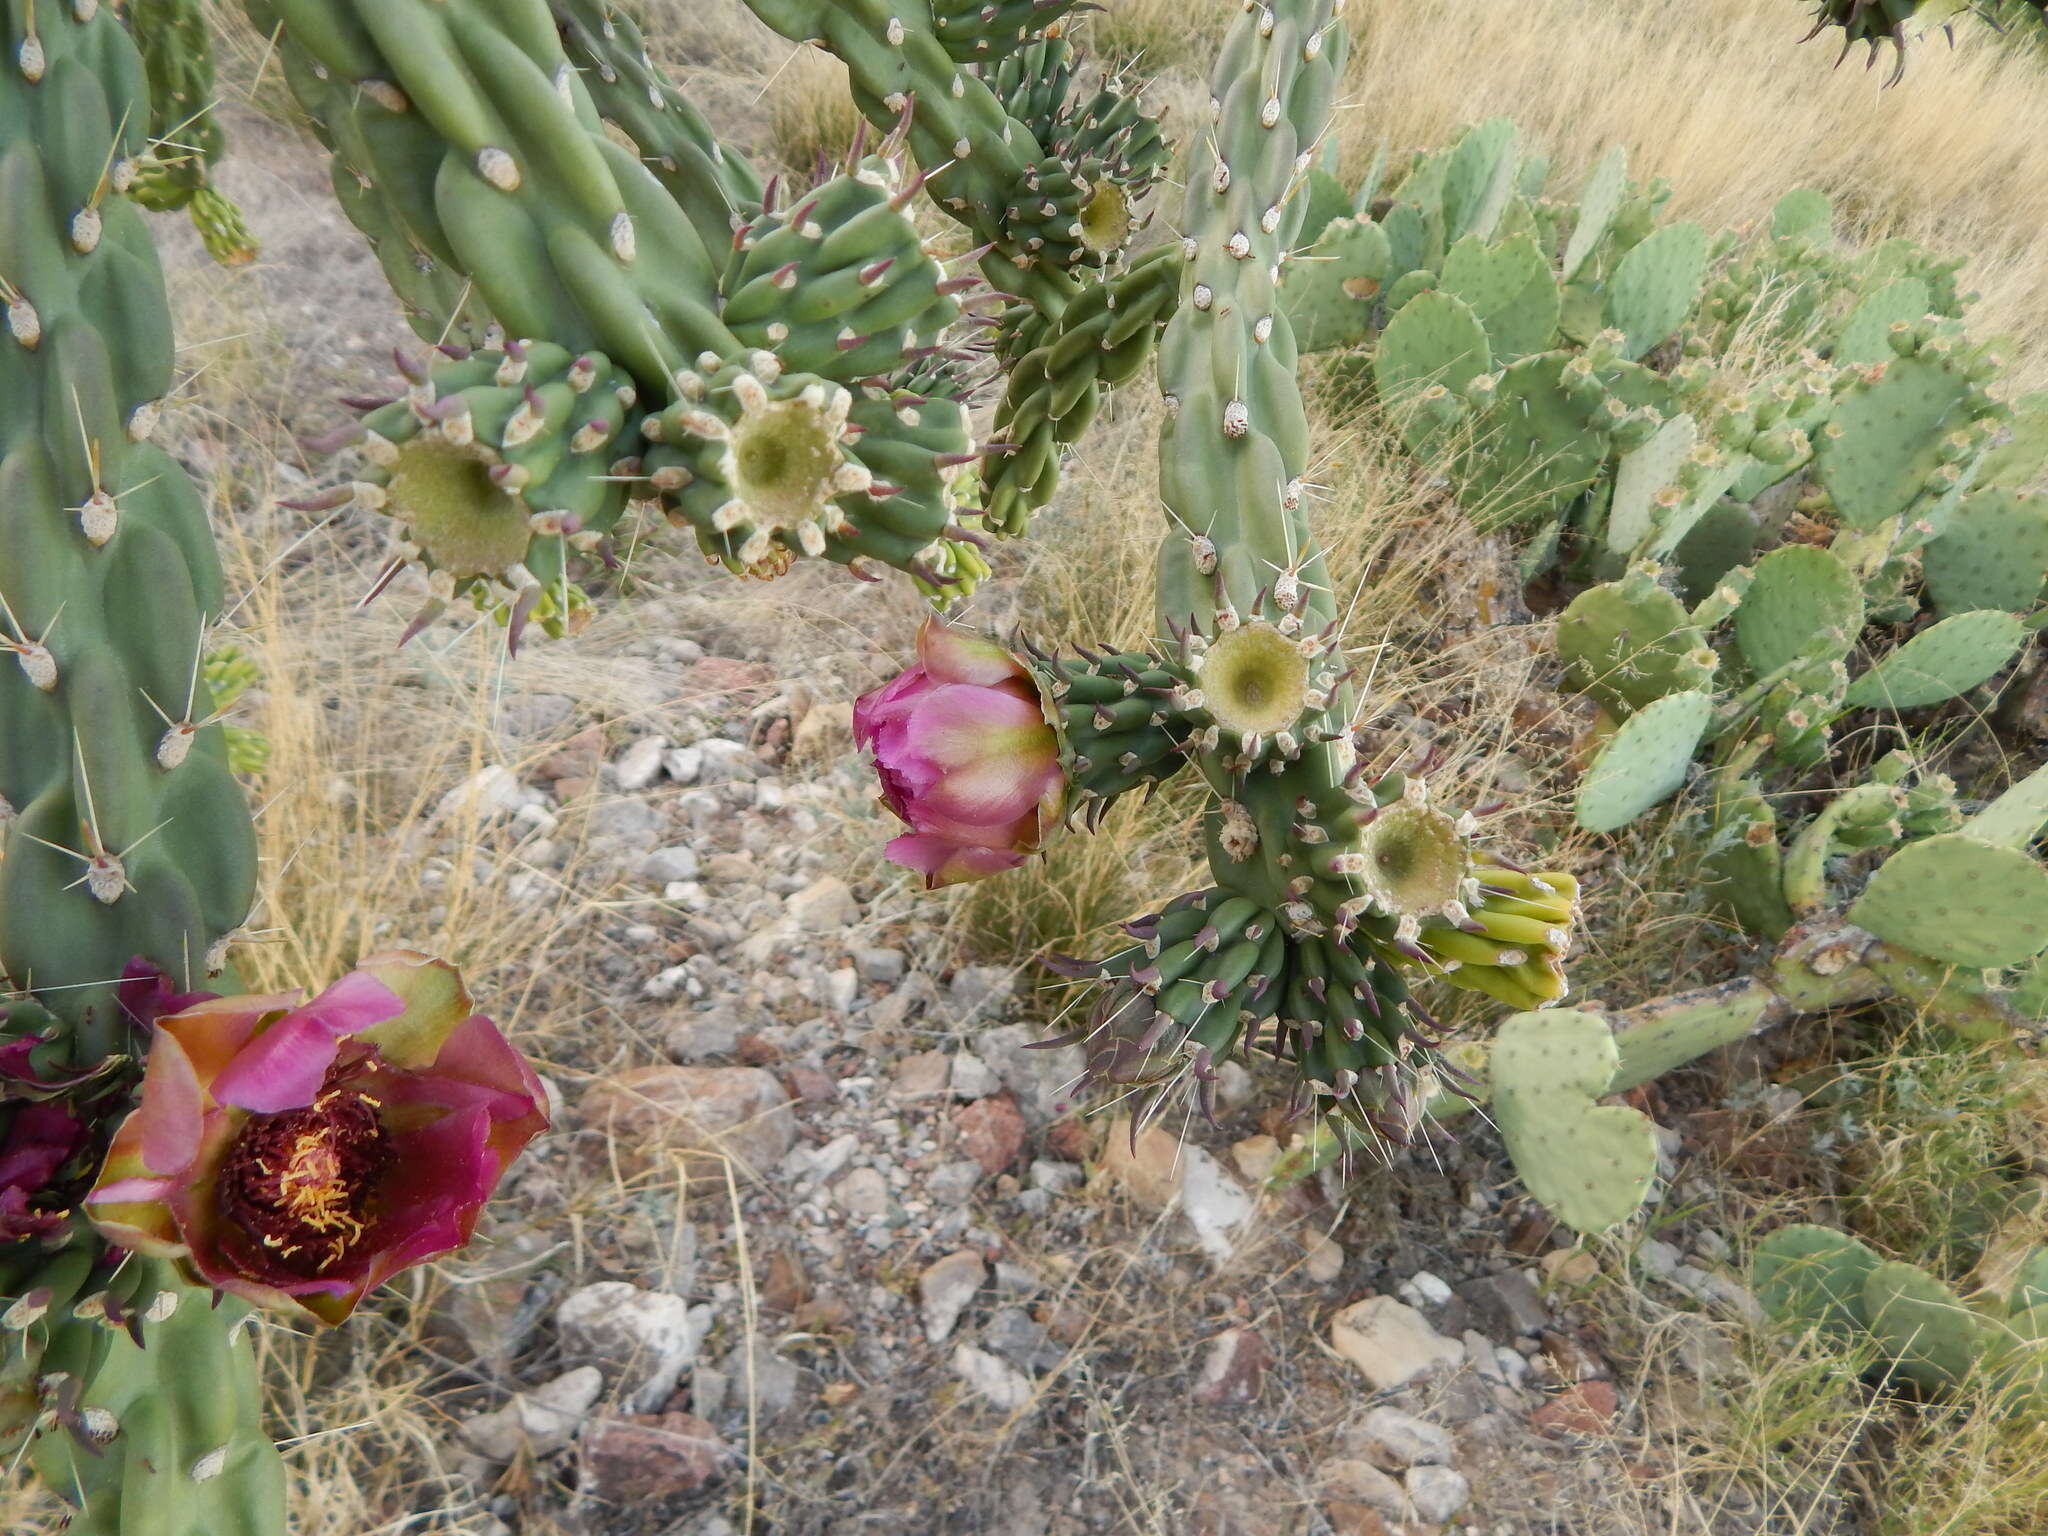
(1646,484)
(1630,642)
(1330,290)
(131,1446)
(502,471)
(123,833)
(1435,341)
(1591,1164)
(1865,336)
(185,137)
(1655,286)
(1644,762)
(1992,554)
(1937,664)
(1815,1277)
(1860,817)
(1256,691)
(1958,900)
(765,466)
(1804,602)
(1898,428)
(712,182)
(838,284)
(1925,1331)
(1117,724)
(1510,289)
(1606,186)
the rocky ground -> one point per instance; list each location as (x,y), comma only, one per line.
(819,1244)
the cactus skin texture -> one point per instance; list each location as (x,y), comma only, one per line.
(1330,884)
(1080,327)
(122,832)
(473,149)
(185,138)
(150,1413)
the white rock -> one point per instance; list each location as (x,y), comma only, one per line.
(823,1162)
(1437,1493)
(1390,1342)
(1423,1289)
(1054,1176)
(863,1193)
(840,989)
(1001,1385)
(666,983)
(946,1287)
(640,764)
(494,790)
(1215,1204)
(883,965)
(1658,1258)
(1394,1440)
(544,1420)
(643,1339)
(676,862)
(726,760)
(683,764)
(824,905)
(974,1078)
(1324,1261)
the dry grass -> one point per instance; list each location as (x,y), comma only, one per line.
(811,117)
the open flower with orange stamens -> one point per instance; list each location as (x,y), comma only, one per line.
(301,1154)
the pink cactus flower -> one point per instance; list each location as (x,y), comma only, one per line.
(300,1155)
(966,758)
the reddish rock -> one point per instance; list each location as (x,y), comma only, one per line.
(1585,1409)
(1235,1369)
(754,1051)
(651,1112)
(723,674)
(1349,1519)
(991,1131)
(650,1456)
(577,758)
(1070,1140)
(810,1085)
(786,1286)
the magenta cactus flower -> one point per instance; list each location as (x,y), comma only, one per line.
(300,1155)
(966,758)
(41,1139)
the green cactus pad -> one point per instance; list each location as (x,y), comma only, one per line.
(1924,1329)
(1330,290)
(1804,216)
(1951,658)
(1722,538)
(1656,285)
(1630,642)
(1958,900)
(1803,602)
(1886,441)
(1865,337)
(2016,817)
(1644,762)
(1510,289)
(1992,554)
(1606,185)
(1640,477)
(1590,1164)
(1815,1277)
(2018,461)
(1435,340)
(1478,178)
(1537,440)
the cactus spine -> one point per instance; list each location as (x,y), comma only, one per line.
(123,836)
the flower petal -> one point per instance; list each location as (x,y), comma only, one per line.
(961,656)
(945,863)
